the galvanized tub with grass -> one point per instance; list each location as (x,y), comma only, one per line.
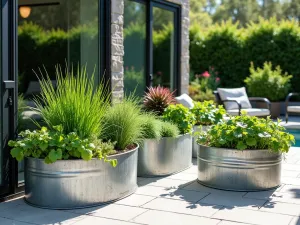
(165,156)
(231,169)
(69,184)
(197,129)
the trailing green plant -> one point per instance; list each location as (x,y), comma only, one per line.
(76,102)
(269,83)
(123,124)
(169,129)
(207,113)
(157,99)
(248,132)
(53,145)
(151,126)
(181,116)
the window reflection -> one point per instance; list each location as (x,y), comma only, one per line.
(163,48)
(134,47)
(50,33)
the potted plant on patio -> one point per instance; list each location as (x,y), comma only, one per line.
(271,84)
(243,153)
(206,114)
(163,151)
(62,169)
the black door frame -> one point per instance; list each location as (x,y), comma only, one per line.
(9,94)
(149,44)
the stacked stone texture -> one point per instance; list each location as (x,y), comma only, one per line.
(117,47)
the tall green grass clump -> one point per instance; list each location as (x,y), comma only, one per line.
(169,129)
(151,126)
(124,124)
(76,102)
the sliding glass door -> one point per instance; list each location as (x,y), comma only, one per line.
(151,42)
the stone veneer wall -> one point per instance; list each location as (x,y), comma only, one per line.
(117,47)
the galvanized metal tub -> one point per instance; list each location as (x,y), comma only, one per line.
(69,184)
(197,129)
(248,170)
(165,156)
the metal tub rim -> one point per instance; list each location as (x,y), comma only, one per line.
(131,189)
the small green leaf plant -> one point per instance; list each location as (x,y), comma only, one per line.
(206,113)
(181,116)
(248,132)
(268,82)
(53,145)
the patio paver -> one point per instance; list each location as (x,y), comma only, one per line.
(160,217)
(178,199)
(253,217)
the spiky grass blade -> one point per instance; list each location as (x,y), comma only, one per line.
(76,103)
(123,123)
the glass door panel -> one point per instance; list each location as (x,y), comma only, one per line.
(163,48)
(52,33)
(134,47)
(151,45)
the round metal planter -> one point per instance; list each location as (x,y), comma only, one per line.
(69,184)
(195,144)
(165,156)
(248,170)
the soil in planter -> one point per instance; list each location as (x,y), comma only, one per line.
(128,149)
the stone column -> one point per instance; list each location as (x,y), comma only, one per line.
(117,49)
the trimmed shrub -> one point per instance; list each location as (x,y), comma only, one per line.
(221,47)
(269,83)
(231,50)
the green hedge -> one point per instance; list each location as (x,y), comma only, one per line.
(231,50)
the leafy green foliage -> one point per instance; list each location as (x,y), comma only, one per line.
(220,46)
(123,123)
(55,145)
(181,116)
(248,132)
(206,113)
(151,126)
(231,49)
(169,129)
(272,84)
(76,102)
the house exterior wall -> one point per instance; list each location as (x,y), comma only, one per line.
(117,46)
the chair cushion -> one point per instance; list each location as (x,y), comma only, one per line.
(234,94)
(185,100)
(293,109)
(250,112)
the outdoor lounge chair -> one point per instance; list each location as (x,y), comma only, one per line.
(236,99)
(291,109)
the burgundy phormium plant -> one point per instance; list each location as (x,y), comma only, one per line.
(157,99)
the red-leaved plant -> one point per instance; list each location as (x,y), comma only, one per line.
(156,99)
